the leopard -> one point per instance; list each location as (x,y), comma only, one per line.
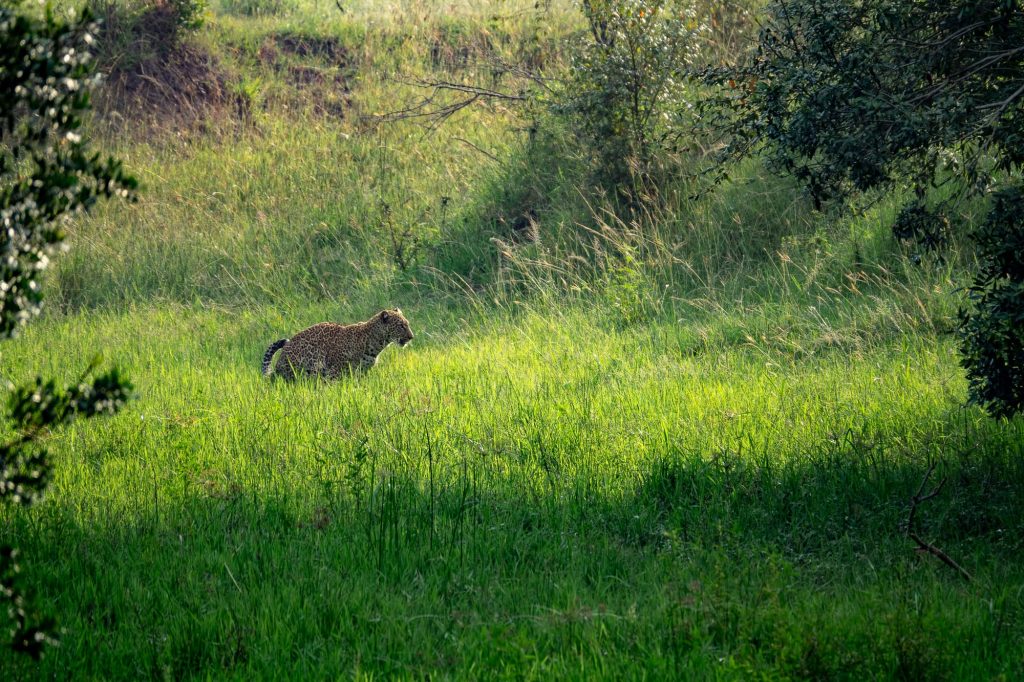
(329,350)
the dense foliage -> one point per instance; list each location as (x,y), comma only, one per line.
(856,96)
(47,175)
(45,167)
(993,333)
(625,84)
(851,96)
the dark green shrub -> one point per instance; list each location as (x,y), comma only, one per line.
(919,224)
(853,96)
(992,332)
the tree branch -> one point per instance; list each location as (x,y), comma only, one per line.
(923,546)
(426,107)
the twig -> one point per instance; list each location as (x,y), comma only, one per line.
(923,546)
(478,148)
(422,110)
(469,89)
(428,108)
(523,72)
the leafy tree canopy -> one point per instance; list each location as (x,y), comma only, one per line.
(853,95)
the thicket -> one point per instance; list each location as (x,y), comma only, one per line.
(993,332)
(46,175)
(625,90)
(881,95)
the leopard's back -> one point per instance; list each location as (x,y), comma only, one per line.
(326,349)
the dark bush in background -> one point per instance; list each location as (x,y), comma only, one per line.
(993,330)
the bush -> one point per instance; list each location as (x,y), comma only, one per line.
(625,85)
(853,96)
(992,333)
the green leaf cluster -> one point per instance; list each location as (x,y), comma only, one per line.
(850,96)
(992,332)
(47,175)
(854,96)
(46,171)
(25,472)
(625,86)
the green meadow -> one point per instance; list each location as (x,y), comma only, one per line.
(672,443)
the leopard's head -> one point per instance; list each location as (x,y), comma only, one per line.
(395,325)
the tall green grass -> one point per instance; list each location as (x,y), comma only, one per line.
(549,495)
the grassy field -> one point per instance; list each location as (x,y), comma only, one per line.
(677,445)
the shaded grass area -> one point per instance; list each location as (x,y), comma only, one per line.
(522,497)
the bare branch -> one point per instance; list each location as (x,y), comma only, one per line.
(471,89)
(478,148)
(940,555)
(923,546)
(429,108)
(1002,106)
(423,110)
(523,72)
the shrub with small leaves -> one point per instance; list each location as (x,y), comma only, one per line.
(47,175)
(625,84)
(46,170)
(190,13)
(992,331)
(849,96)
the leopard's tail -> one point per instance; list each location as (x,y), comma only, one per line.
(269,355)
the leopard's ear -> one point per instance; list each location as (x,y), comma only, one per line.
(384,317)
(398,310)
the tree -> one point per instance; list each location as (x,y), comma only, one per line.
(856,95)
(46,175)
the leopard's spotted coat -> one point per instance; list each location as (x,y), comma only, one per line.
(330,350)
